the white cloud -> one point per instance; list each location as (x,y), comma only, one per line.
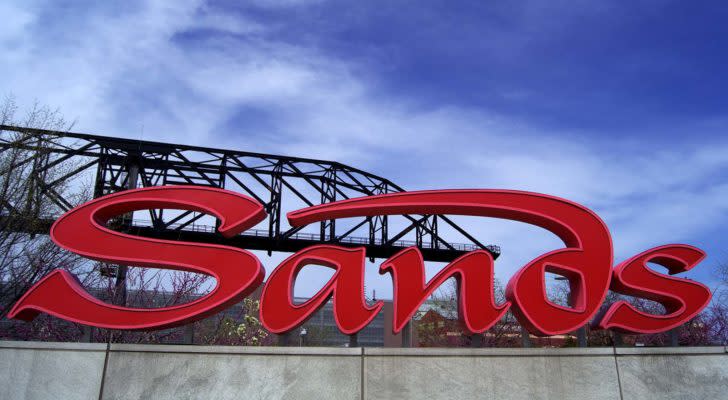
(15,21)
(283,3)
(145,67)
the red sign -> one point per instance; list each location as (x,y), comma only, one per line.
(586,262)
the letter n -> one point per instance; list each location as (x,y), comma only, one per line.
(474,275)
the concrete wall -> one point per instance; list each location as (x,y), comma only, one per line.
(33,370)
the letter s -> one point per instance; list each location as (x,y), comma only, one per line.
(683,299)
(83,231)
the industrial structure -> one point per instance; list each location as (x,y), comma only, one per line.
(277,182)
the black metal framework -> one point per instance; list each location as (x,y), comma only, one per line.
(278,182)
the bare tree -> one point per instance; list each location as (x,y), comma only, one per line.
(33,180)
(439,325)
(26,202)
(710,327)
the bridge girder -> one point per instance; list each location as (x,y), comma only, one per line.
(275,181)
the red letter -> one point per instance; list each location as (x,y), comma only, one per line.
(279,314)
(683,299)
(474,274)
(586,262)
(82,231)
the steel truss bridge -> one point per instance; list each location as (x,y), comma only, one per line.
(278,182)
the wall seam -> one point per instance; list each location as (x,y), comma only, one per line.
(103,371)
(619,379)
(362,376)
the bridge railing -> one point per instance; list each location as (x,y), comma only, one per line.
(310,236)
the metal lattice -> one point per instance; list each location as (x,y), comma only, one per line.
(115,164)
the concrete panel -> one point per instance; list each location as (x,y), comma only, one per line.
(643,351)
(531,374)
(184,372)
(33,370)
(679,373)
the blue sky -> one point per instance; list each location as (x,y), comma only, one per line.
(620,106)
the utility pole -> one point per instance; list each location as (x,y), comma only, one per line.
(407,334)
(581,336)
(120,295)
(525,337)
